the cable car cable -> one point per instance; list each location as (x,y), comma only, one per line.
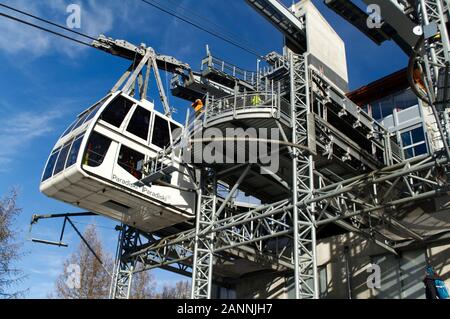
(203,28)
(156,5)
(209,21)
(200,27)
(47,21)
(46,30)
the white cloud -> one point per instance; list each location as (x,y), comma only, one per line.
(19,130)
(17,38)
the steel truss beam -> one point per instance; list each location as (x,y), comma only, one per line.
(433,16)
(204,245)
(177,249)
(129,238)
(304,228)
(284,233)
(393,187)
(256,230)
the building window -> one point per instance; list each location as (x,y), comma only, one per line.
(161,135)
(96,149)
(116,112)
(139,123)
(401,276)
(414,142)
(129,160)
(73,154)
(385,106)
(61,162)
(323,281)
(50,165)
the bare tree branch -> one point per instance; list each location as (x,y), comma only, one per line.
(9,247)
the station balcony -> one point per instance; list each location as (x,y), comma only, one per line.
(248,105)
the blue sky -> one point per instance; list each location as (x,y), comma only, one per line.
(46,81)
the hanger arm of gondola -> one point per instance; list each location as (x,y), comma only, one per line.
(129,51)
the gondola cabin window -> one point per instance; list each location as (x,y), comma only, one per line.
(61,162)
(175,130)
(129,160)
(139,123)
(72,158)
(116,112)
(161,135)
(48,172)
(96,150)
(85,117)
(69,129)
(80,121)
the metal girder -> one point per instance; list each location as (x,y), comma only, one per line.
(283,19)
(256,227)
(129,238)
(204,245)
(303,219)
(176,249)
(435,60)
(391,187)
(134,75)
(394,12)
(129,51)
(255,231)
(353,14)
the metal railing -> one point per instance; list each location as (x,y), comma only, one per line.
(396,149)
(229,69)
(244,101)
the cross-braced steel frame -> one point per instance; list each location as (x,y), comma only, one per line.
(435,60)
(304,229)
(357,204)
(362,204)
(204,244)
(129,238)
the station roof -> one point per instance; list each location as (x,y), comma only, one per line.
(380,88)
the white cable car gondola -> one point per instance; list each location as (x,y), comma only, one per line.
(94,165)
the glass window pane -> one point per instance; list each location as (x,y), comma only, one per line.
(115,113)
(73,154)
(61,162)
(80,121)
(386,108)
(420,149)
(96,150)
(409,153)
(139,123)
(418,135)
(92,113)
(175,130)
(406,138)
(50,165)
(376,113)
(405,99)
(95,109)
(129,159)
(69,129)
(323,281)
(161,137)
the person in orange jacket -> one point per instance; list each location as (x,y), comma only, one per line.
(198,106)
